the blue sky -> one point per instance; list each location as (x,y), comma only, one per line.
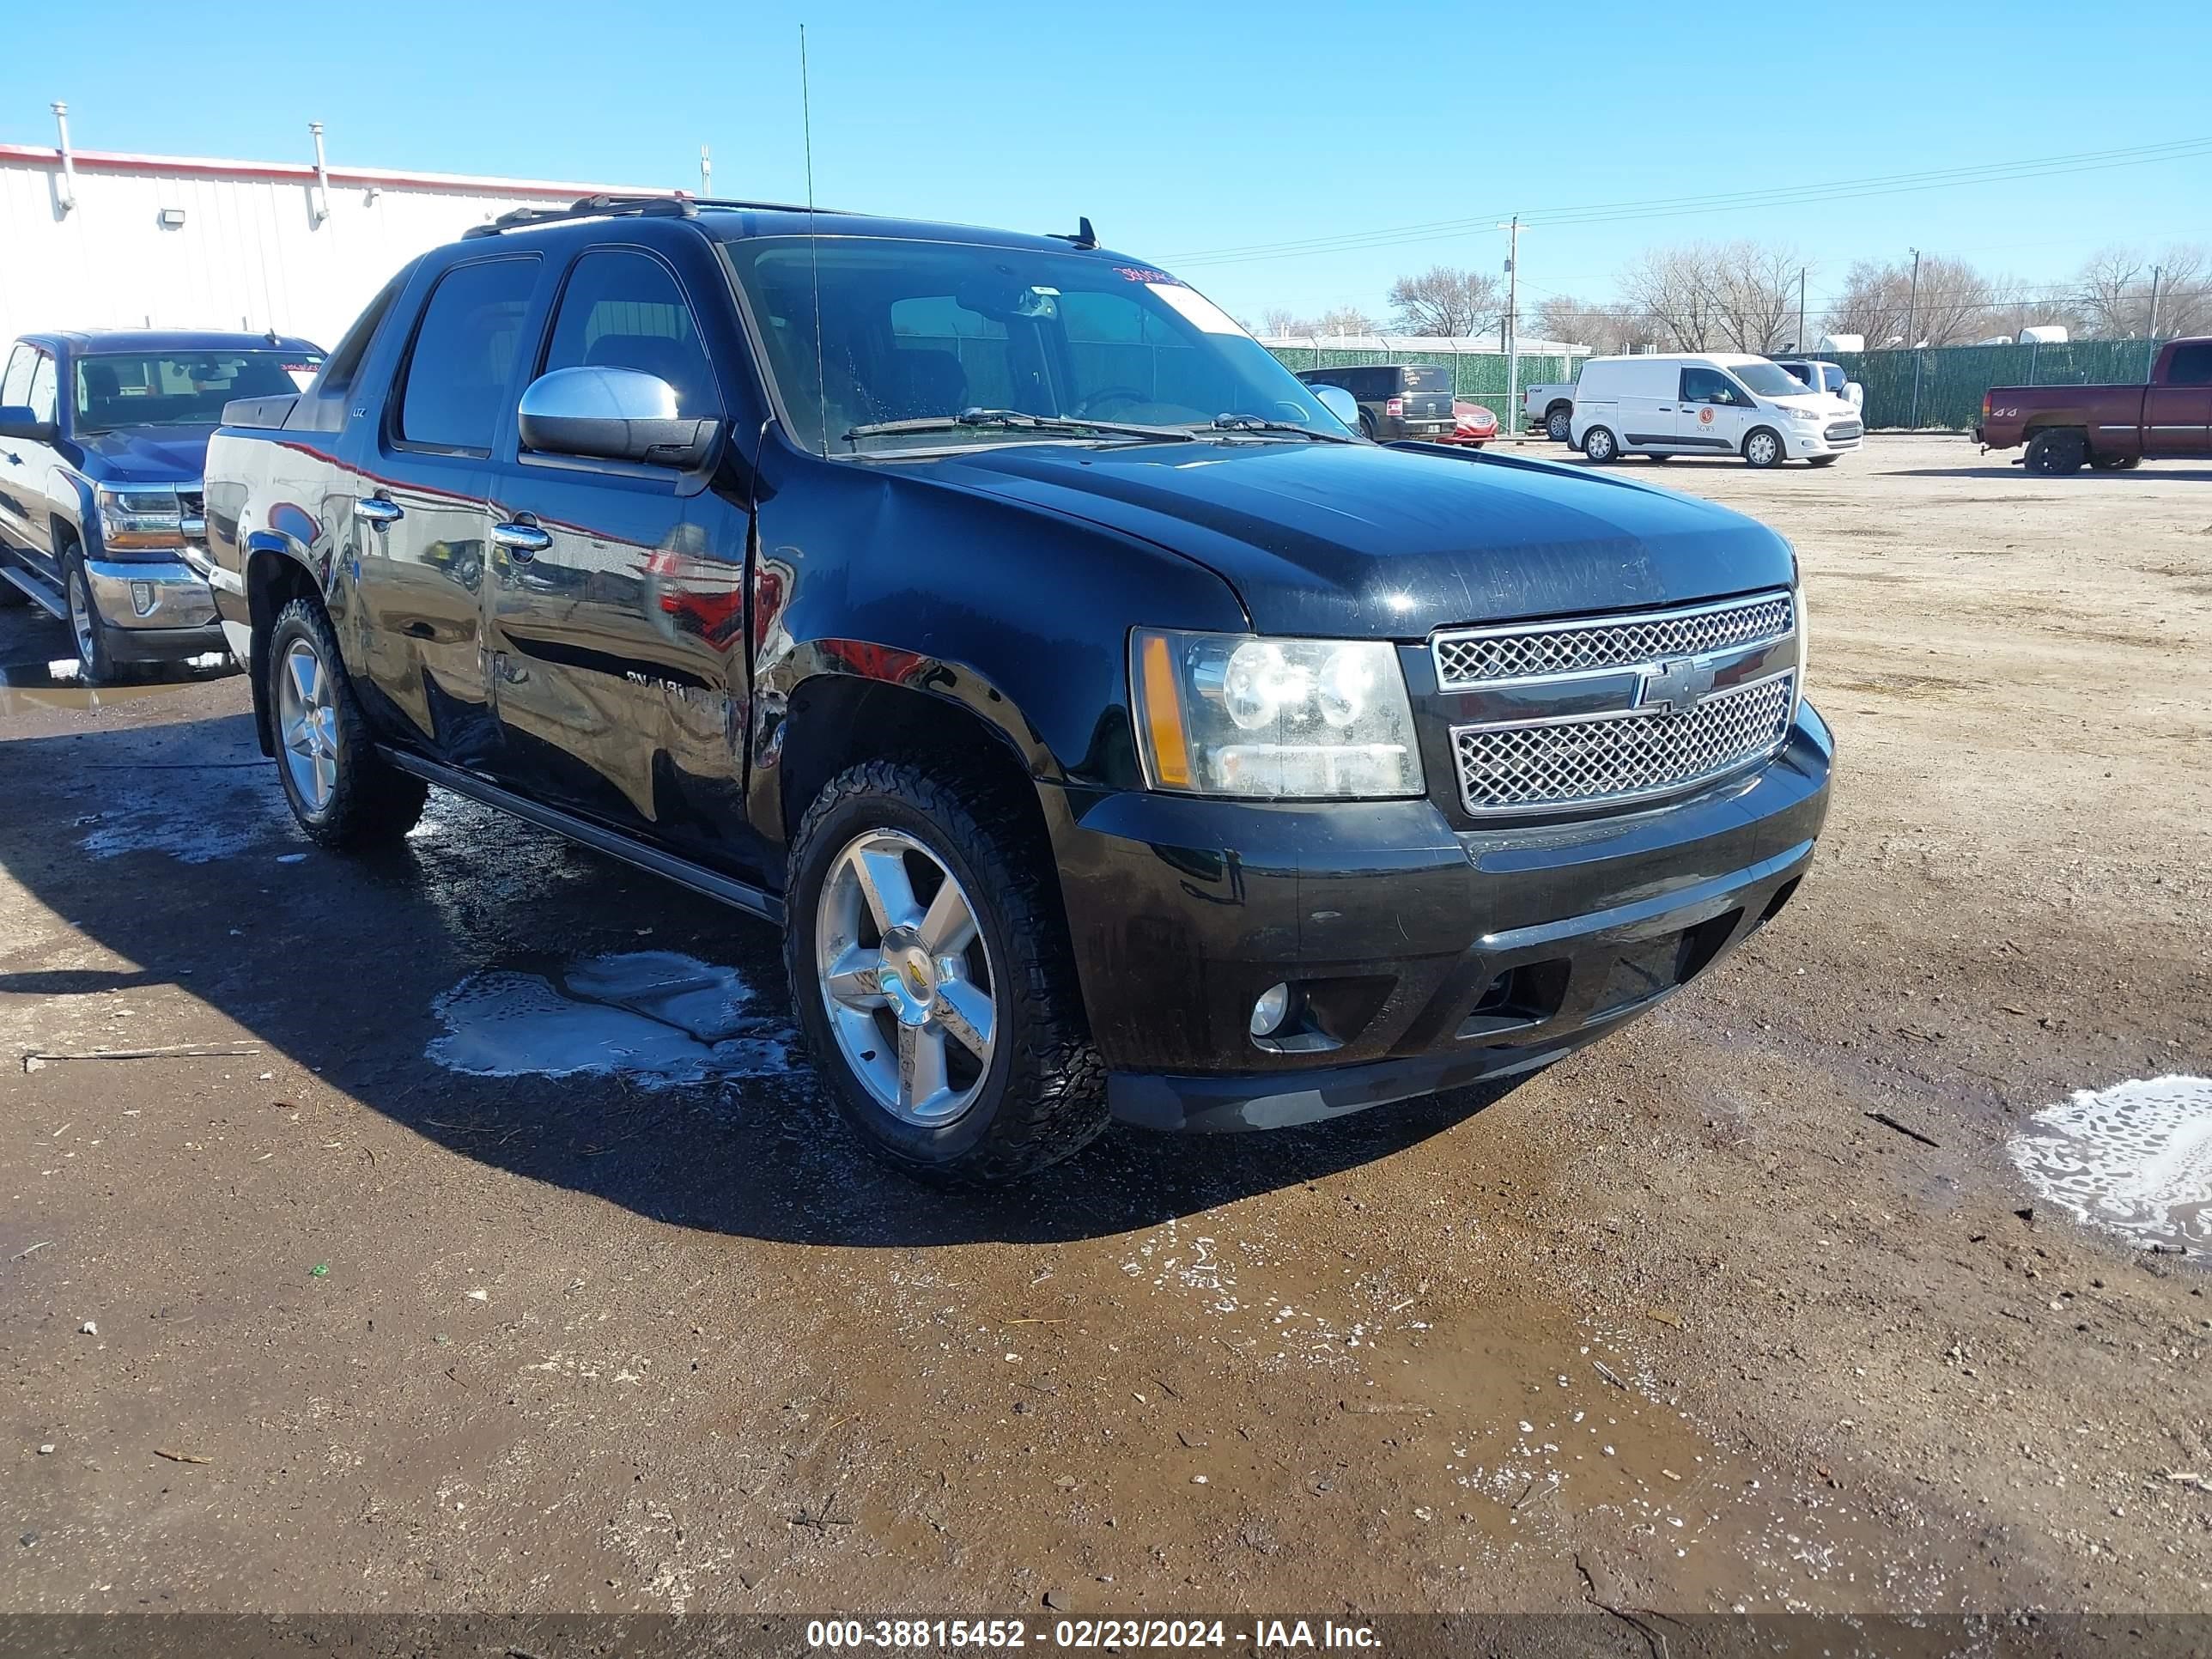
(1184,129)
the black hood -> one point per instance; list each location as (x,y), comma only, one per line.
(1363,542)
(146,454)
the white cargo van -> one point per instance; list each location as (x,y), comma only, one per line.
(1707,403)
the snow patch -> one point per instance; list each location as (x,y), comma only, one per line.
(2133,1160)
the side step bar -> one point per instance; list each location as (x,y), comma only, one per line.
(48,599)
(753,901)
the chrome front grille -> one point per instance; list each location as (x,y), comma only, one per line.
(1469,657)
(1607,759)
(1845,432)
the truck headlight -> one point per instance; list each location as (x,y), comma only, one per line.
(136,515)
(1804,414)
(1230,714)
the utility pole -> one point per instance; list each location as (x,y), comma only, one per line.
(706,172)
(1912,304)
(2156,271)
(1513,321)
(1800,308)
(1912,318)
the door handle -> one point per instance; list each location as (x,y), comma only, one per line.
(524,541)
(378,510)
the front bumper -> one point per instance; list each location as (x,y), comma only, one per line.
(1426,957)
(157,611)
(157,596)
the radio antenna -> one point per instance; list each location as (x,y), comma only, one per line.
(813,245)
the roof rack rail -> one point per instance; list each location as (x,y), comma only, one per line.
(676,205)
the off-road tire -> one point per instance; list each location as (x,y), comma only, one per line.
(373,803)
(2057,452)
(1044,1096)
(1600,445)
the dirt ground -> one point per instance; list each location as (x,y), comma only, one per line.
(1676,1326)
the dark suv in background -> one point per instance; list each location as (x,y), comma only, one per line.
(1108,729)
(102,436)
(1397,401)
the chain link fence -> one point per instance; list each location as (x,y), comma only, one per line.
(1940,388)
(1478,377)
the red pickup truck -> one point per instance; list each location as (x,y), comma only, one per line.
(2111,427)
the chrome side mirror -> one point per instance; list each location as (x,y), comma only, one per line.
(1340,403)
(615,415)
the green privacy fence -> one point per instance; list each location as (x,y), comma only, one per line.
(1951,380)
(1477,377)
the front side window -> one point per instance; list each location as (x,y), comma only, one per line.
(462,363)
(45,405)
(113,390)
(1801,372)
(1710,385)
(622,309)
(925,330)
(1831,378)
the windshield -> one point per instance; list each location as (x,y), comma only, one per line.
(131,389)
(1768,380)
(920,331)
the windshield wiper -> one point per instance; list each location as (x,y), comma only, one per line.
(1260,423)
(1015,420)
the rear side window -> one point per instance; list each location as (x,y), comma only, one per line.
(337,372)
(622,309)
(2190,364)
(462,366)
(15,387)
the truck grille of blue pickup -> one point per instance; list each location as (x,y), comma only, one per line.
(1469,657)
(1608,759)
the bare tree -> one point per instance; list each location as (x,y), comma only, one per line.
(1345,320)
(2113,292)
(1279,322)
(1668,288)
(1952,304)
(1609,328)
(1754,295)
(1446,302)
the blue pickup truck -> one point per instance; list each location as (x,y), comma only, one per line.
(102,439)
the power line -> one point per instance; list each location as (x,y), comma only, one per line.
(1665,207)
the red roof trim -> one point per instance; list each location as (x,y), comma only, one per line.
(102,160)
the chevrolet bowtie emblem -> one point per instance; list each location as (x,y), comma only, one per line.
(1676,687)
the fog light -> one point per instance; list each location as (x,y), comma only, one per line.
(1272,1012)
(141,598)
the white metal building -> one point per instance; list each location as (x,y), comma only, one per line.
(92,238)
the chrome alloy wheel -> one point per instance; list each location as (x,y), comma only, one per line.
(907,979)
(308,720)
(80,612)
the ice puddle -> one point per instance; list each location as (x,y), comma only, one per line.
(657,1018)
(2134,1159)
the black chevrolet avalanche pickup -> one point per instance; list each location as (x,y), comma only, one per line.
(1112,733)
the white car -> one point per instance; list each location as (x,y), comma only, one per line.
(1824,376)
(1707,403)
